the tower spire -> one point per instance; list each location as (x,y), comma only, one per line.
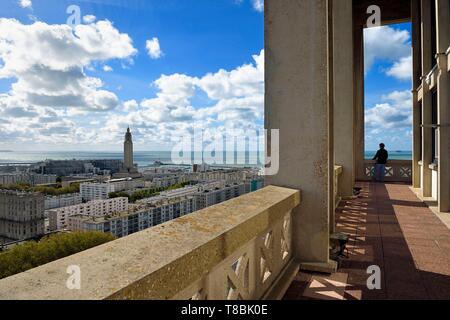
(128,151)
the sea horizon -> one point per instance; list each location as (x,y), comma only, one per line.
(141,158)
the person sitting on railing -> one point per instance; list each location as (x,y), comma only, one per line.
(380,168)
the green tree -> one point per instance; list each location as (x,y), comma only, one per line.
(33,254)
(122,194)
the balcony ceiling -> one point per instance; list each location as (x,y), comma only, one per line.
(391,11)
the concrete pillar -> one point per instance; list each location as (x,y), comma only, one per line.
(427,156)
(296,52)
(359,127)
(343,94)
(417,73)
(443,84)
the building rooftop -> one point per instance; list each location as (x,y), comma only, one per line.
(133,209)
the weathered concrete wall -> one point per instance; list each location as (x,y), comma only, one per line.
(417,73)
(343,94)
(427,99)
(443,84)
(297,103)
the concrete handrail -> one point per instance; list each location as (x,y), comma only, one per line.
(194,256)
(396,170)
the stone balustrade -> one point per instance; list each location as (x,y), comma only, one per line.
(396,171)
(240,249)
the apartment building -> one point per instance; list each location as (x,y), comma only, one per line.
(25,177)
(96,191)
(169,180)
(100,191)
(186,191)
(255,184)
(227,175)
(58,218)
(210,197)
(124,223)
(21,215)
(64,200)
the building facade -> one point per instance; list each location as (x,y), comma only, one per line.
(21,215)
(316,95)
(58,218)
(169,180)
(125,223)
(207,198)
(24,177)
(431,100)
(96,191)
(64,200)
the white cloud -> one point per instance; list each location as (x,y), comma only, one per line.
(48,61)
(154,48)
(385,43)
(258,5)
(240,82)
(25,3)
(53,101)
(47,65)
(401,69)
(88,19)
(394,113)
(234,99)
(130,105)
(107,68)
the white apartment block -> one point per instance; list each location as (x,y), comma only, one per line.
(211,197)
(227,175)
(59,218)
(96,191)
(64,200)
(21,215)
(252,185)
(127,184)
(24,177)
(184,192)
(170,180)
(125,223)
(100,191)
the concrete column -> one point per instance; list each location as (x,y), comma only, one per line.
(359,127)
(427,99)
(343,94)
(296,52)
(443,84)
(417,73)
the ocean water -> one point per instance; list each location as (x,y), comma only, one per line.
(393,155)
(142,158)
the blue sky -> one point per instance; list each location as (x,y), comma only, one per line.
(162,67)
(167,66)
(388,87)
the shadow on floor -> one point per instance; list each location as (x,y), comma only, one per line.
(391,228)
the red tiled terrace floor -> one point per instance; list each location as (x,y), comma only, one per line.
(391,228)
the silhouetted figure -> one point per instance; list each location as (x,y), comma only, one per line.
(380,168)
